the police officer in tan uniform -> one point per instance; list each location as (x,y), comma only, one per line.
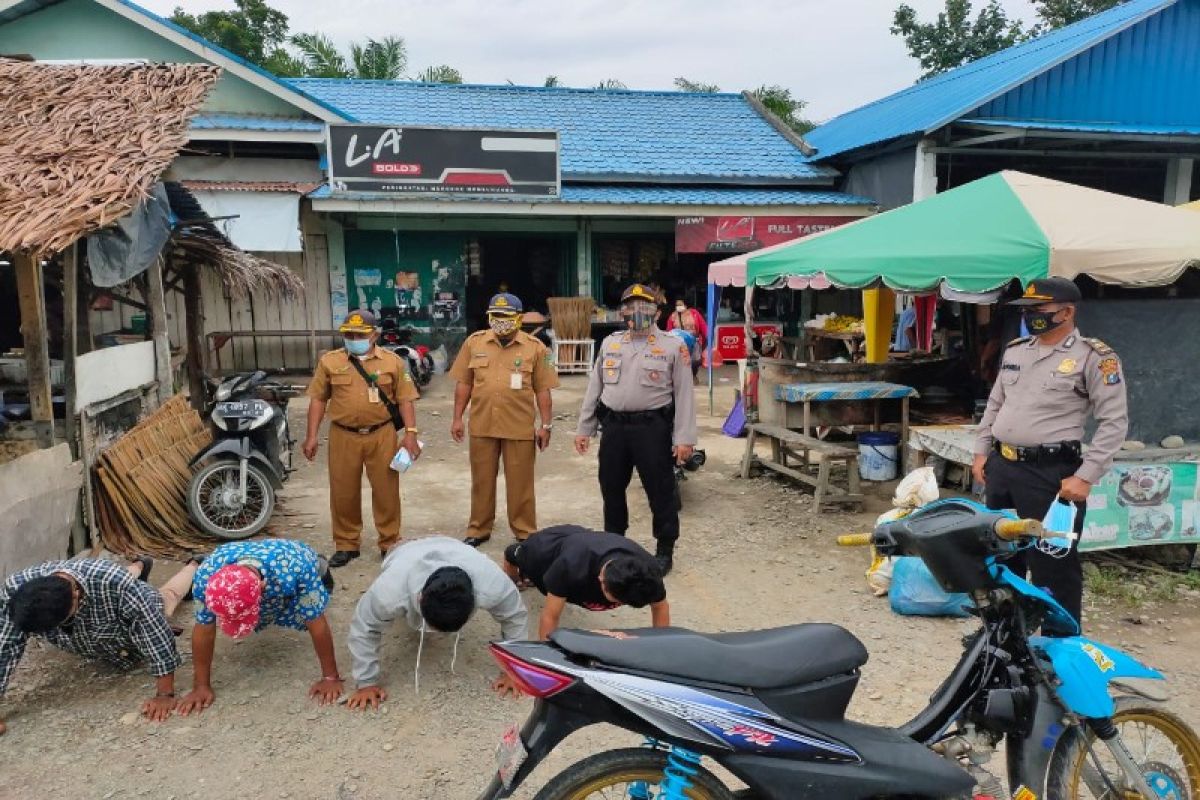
(506,375)
(362,433)
(641,392)
(1028,449)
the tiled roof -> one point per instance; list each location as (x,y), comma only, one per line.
(933,103)
(604,132)
(252,122)
(648,195)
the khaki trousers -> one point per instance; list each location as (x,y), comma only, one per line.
(519,456)
(349,454)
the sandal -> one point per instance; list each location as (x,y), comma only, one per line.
(147,564)
(475,541)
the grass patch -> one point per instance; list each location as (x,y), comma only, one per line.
(1133,588)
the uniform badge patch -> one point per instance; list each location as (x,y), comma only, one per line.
(1067,365)
(1110,368)
(653,375)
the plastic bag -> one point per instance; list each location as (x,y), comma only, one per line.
(915,592)
(916,489)
(735,423)
(403,459)
(879,574)
(441,359)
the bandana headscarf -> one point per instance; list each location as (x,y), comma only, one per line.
(234,594)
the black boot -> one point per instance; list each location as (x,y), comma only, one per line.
(343,557)
(664,554)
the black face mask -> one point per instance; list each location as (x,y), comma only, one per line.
(1039,322)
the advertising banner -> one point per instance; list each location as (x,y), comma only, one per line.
(485,163)
(1139,504)
(743,234)
(730,340)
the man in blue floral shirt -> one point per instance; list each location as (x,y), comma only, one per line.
(246,586)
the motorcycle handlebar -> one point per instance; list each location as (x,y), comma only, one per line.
(1010,530)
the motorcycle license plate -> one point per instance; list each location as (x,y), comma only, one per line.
(510,755)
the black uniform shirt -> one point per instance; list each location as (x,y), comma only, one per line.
(565,560)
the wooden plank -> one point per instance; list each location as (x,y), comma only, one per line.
(194,336)
(156,324)
(31,295)
(318,304)
(70,316)
(216,316)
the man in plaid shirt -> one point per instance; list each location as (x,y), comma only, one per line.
(99,610)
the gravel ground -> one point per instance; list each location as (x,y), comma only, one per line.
(752,555)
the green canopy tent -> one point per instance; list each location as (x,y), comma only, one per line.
(976,238)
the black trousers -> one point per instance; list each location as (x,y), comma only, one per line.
(645,446)
(1029,488)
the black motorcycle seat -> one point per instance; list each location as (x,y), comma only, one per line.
(766,659)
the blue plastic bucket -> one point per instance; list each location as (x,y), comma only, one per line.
(878,455)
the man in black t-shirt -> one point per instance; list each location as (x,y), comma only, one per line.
(592,569)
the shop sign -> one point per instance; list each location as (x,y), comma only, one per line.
(1140,504)
(730,340)
(743,234)
(457,161)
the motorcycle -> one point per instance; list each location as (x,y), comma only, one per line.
(233,494)
(399,341)
(769,706)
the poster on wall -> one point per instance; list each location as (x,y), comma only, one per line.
(1141,504)
(497,163)
(743,234)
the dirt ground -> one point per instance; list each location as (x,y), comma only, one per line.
(751,555)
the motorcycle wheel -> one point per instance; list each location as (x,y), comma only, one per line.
(212,500)
(1165,747)
(615,772)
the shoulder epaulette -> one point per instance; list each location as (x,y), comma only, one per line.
(1100,347)
(1020,340)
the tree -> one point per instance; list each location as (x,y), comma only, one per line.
(958,36)
(376,59)
(685,85)
(779,101)
(255,31)
(611,83)
(440,74)
(1057,13)
(551,82)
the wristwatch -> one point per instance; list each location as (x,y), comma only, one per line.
(413,431)
(547,426)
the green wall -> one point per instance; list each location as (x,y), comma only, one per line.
(77,29)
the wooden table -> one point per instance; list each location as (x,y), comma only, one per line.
(848,338)
(873,392)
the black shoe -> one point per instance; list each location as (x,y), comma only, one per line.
(147,564)
(475,541)
(343,557)
(665,563)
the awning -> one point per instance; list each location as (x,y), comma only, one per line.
(980,236)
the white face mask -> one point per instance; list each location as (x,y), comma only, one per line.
(680,309)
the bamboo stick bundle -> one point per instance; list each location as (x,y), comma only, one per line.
(571,318)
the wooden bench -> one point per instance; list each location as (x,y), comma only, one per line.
(789,444)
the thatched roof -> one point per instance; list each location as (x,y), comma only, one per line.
(80,145)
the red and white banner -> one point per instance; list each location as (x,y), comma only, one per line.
(730,340)
(743,234)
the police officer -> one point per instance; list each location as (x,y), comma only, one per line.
(1028,450)
(641,392)
(506,375)
(362,432)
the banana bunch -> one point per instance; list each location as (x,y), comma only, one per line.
(843,324)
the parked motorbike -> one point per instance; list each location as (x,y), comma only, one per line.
(233,494)
(770,705)
(399,340)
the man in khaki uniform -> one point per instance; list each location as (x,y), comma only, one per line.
(1028,449)
(361,433)
(506,375)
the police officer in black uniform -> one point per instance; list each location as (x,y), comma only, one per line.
(641,392)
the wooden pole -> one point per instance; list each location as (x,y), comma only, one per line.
(70,292)
(156,303)
(37,354)
(194,323)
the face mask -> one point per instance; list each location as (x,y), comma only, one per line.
(504,327)
(358,347)
(1039,322)
(641,315)
(681,309)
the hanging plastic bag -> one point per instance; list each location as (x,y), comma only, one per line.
(915,592)
(916,489)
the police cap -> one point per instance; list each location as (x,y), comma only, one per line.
(1048,290)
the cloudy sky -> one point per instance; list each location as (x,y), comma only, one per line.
(836,54)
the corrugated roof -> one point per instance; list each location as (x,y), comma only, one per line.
(252,122)
(684,135)
(1183,129)
(648,195)
(932,103)
(289,187)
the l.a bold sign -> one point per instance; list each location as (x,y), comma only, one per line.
(373,158)
(743,234)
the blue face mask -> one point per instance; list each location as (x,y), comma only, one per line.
(358,347)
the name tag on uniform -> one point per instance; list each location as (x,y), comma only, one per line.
(514,380)
(373,394)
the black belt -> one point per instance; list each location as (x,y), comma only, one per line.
(1043,453)
(363,431)
(606,414)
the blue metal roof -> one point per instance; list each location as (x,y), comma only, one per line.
(719,137)
(935,102)
(1116,129)
(250,122)
(648,195)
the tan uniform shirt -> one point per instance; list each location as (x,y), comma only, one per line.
(504,381)
(337,381)
(633,374)
(1044,395)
